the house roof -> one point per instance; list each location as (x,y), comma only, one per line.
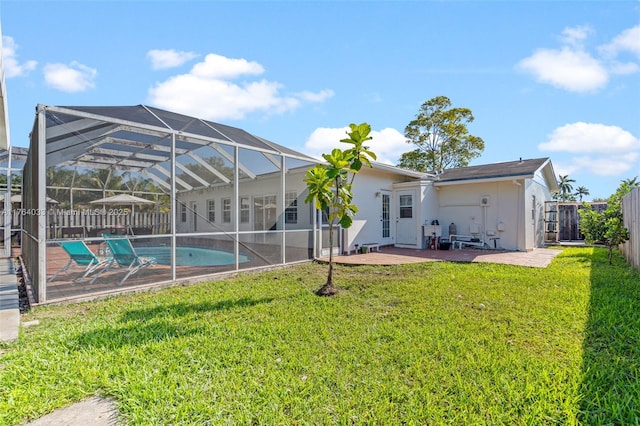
(400,171)
(519,169)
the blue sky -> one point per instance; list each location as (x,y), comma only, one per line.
(543,79)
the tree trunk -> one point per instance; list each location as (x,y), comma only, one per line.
(329,289)
(610,255)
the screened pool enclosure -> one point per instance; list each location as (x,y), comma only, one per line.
(126,197)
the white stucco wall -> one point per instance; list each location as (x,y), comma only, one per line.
(501,218)
(265,186)
(512,214)
(537,193)
(369,185)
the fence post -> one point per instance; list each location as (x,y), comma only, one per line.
(631,215)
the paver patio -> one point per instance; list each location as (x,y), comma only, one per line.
(537,258)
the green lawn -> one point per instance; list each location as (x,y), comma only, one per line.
(432,343)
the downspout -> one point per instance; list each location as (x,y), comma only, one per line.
(518,212)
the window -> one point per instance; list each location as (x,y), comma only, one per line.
(211,210)
(291,210)
(226,210)
(386,216)
(406,206)
(244,209)
(194,210)
(183,213)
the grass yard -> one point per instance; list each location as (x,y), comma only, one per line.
(431,343)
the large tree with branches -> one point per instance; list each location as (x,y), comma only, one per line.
(441,137)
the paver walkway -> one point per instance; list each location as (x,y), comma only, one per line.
(538,258)
(92,412)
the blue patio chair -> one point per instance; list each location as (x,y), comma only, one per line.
(82,255)
(125,255)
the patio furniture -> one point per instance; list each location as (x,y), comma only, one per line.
(80,254)
(73,232)
(466,241)
(125,255)
(141,231)
(462,244)
(369,247)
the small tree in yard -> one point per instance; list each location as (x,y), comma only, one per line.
(606,227)
(330,187)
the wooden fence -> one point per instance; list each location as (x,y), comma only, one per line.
(562,220)
(65,224)
(631,213)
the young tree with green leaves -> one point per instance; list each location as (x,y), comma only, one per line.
(331,187)
(441,137)
(606,227)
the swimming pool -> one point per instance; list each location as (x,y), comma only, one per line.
(190,256)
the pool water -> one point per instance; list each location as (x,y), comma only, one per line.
(190,256)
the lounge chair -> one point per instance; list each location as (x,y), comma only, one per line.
(125,256)
(82,255)
(461,244)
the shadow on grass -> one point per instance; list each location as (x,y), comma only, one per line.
(611,362)
(182,309)
(159,323)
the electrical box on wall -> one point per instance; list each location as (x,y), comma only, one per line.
(484,200)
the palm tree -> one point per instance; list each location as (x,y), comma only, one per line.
(580,191)
(632,182)
(565,187)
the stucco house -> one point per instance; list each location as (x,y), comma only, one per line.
(220,200)
(500,204)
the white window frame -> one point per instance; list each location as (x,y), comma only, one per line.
(211,211)
(226,210)
(245,209)
(291,207)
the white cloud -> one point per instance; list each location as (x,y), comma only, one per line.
(625,68)
(74,77)
(590,137)
(388,144)
(13,68)
(208,92)
(627,41)
(572,67)
(220,67)
(315,97)
(561,168)
(568,69)
(608,150)
(612,165)
(163,59)
(575,36)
